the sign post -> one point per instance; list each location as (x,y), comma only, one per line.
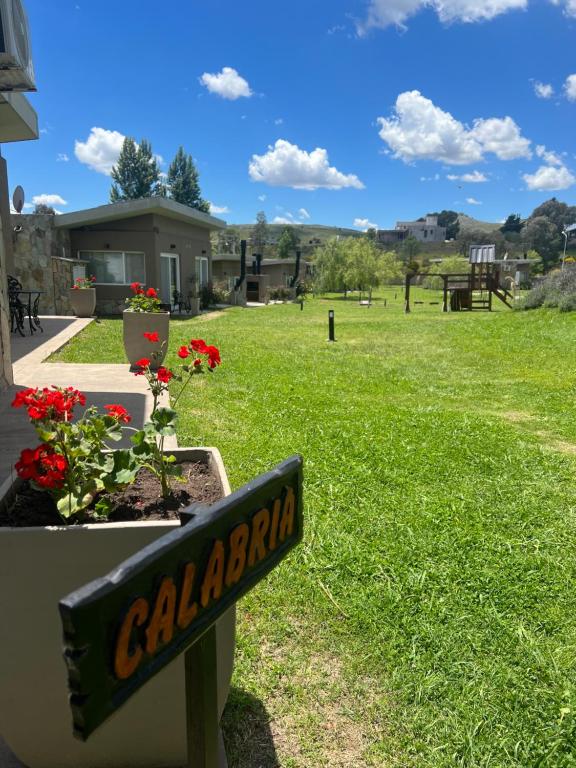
(331,336)
(124,628)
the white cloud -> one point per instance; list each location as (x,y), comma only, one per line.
(570,87)
(281,220)
(569,6)
(303,213)
(473,201)
(100,151)
(228,84)
(384,13)
(48,200)
(436,177)
(286,165)
(364,224)
(419,130)
(475,177)
(219,208)
(279,121)
(62,157)
(261,198)
(501,137)
(549,178)
(551,158)
(543,90)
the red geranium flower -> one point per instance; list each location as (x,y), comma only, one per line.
(56,403)
(213,356)
(198,345)
(151,293)
(136,287)
(183,352)
(42,465)
(119,413)
(164,375)
(152,336)
(143,363)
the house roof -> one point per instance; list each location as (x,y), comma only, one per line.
(482,254)
(128,209)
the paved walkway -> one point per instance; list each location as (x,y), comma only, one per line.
(101,384)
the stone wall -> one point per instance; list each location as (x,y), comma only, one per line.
(42,261)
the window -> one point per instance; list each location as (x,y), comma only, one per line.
(115,267)
(201,271)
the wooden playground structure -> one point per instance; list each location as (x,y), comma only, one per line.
(474,290)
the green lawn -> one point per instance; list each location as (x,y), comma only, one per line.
(429,618)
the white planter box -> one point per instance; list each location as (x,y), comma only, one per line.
(39,566)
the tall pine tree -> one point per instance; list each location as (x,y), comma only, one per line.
(136,174)
(183,184)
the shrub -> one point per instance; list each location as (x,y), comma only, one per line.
(279,293)
(557,289)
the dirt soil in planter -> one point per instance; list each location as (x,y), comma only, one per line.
(140,501)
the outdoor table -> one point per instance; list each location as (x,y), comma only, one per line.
(24,304)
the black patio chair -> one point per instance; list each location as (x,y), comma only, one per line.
(181,302)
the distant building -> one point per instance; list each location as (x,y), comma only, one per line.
(391,236)
(426,231)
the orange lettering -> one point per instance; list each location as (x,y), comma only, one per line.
(187,610)
(162,621)
(273,541)
(287,520)
(126,663)
(214,576)
(237,561)
(260,525)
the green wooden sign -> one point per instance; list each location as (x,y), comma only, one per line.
(122,629)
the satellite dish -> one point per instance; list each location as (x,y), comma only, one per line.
(18,199)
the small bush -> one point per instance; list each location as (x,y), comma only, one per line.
(557,289)
(279,293)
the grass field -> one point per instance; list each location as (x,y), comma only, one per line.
(429,618)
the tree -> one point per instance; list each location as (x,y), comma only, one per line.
(481,237)
(183,184)
(287,243)
(512,224)
(260,233)
(541,234)
(451,265)
(136,174)
(448,219)
(560,214)
(329,266)
(409,248)
(42,208)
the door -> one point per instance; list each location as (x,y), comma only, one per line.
(169,276)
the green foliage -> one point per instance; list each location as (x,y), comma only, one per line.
(136,173)
(452,265)
(449,219)
(288,243)
(280,293)
(409,249)
(43,209)
(541,234)
(353,264)
(182,182)
(557,289)
(329,266)
(259,234)
(512,224)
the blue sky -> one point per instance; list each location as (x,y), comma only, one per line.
(343,113)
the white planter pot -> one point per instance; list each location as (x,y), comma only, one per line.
(39,566)
(136,346)
(83,301)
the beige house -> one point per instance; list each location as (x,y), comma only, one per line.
(153,241)
(261,275)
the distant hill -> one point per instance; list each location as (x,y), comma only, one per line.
(467,224)
(309,234)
